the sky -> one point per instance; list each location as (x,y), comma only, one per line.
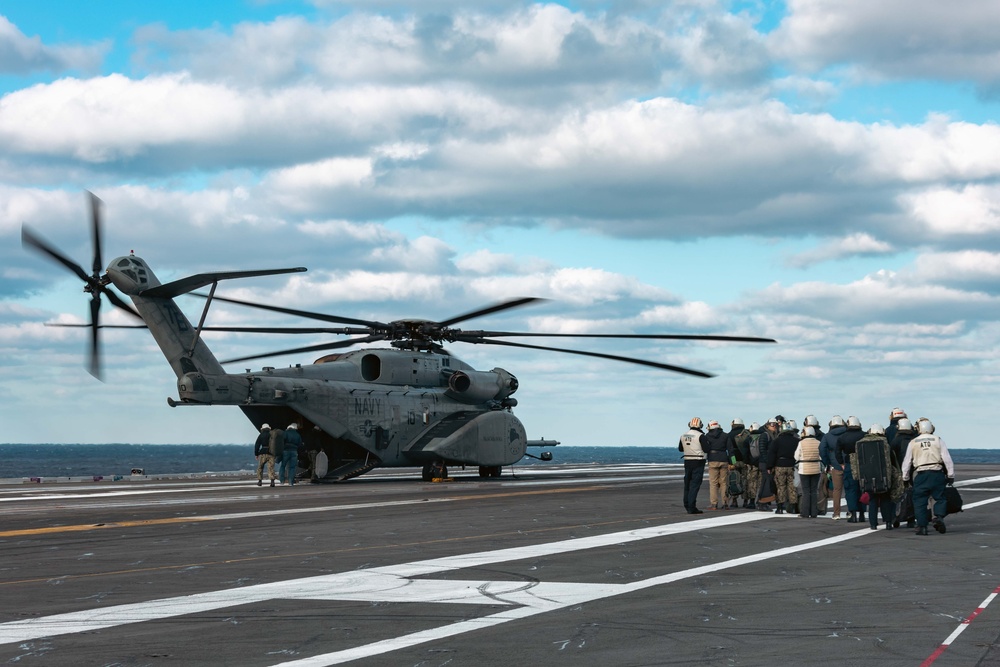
(824,173)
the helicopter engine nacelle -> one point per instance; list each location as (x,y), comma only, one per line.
(476,387)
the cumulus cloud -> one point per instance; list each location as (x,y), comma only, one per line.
(897,39)
(20,54)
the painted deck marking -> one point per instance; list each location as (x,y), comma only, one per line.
(961,627)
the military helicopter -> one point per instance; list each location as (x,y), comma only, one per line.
(412,404)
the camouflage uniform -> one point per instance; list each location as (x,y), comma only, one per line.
(784,486)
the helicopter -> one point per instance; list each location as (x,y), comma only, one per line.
(412,404)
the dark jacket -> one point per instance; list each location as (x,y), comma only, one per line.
(846,443)
(899,444)
(718,445)
(293,439)
(828,448)
(781,453)
(741,452)
(260,446)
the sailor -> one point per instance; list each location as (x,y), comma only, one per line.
(290,457)
(898,446)
(892,428)
(765,493)
(833,465)
(846,442)
(822,492)
(928,458)
(781,464)
(738,440)
(883,501)
(718,454)
(263,454)
(751,486)
(692,445)
(807,456)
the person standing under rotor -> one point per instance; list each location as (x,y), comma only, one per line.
(930,461)
(692,445)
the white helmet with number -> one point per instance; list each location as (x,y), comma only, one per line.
(876,429)
(853,422)
(695,422)
(925,426)
(897,413)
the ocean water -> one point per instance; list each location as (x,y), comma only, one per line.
(119,459)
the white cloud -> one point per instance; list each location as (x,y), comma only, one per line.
(20,54)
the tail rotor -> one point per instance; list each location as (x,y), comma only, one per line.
(94,283)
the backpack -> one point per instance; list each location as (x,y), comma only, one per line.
(741,444)
(755,447)
(276,445)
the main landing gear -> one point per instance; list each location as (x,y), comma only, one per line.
(436,470)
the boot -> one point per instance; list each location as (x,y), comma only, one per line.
(922,530)
(938,524)
(852,517)
(780,509)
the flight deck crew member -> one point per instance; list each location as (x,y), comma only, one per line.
(932,469)
(883,501)
(765,492)
(692,445)
(807,455)
(832,464)
(717,452)
(263,454)
(846,443)
(290,457)
(781,464)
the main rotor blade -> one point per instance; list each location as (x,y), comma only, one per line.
(503,334)
(298,313)
(118,302)
(31,239)
(514,303)
(629,360)
(310,348)
(94,355)
(95,228)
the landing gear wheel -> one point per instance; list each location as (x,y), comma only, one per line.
(436,470)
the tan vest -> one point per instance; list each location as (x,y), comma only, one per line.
(807,454)
(691,443)
(926,453)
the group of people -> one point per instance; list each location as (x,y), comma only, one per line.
(802,469)
(275,446)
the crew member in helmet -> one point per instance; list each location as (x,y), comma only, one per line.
(846,442)
(765,492)
(739,449)
(692,445)
(781,464)
(807,456)
(832,463)
(880,499)
(898,445)
(891,429)
(822,492)
(928,460)
(718,455)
